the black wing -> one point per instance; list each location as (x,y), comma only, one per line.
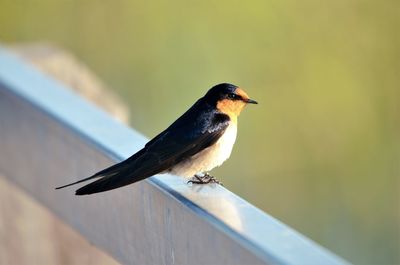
(194,131)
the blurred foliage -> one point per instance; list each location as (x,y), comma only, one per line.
(321,151)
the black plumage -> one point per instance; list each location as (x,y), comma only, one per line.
(197,129)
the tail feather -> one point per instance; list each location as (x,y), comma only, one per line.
(79,181)
(111,182)
(138,167)
(110,171)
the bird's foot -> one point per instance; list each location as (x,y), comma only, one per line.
(205,179)
(212,179)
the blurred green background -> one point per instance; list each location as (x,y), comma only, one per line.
(321,151)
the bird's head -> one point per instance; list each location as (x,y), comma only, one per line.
(228,99)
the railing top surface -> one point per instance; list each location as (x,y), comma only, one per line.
(268,238)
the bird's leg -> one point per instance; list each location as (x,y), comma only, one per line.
(205,179)
(212,179)
(197,179)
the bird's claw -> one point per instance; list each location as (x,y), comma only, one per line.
(206,179)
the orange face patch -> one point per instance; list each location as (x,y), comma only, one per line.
(241,93)
(233,107)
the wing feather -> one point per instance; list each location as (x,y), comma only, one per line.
(181,140)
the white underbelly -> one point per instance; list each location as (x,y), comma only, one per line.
(210,157)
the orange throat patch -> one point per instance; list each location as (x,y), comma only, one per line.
(232,108)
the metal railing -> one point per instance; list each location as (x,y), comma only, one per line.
(50,136)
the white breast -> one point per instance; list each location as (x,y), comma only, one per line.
(210,157)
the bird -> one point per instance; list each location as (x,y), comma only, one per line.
(198,141)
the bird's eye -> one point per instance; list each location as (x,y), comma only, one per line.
(232,96)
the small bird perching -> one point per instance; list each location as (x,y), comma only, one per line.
(198,141)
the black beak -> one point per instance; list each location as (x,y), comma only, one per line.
(250,101)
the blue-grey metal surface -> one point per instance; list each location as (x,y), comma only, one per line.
(49,136)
